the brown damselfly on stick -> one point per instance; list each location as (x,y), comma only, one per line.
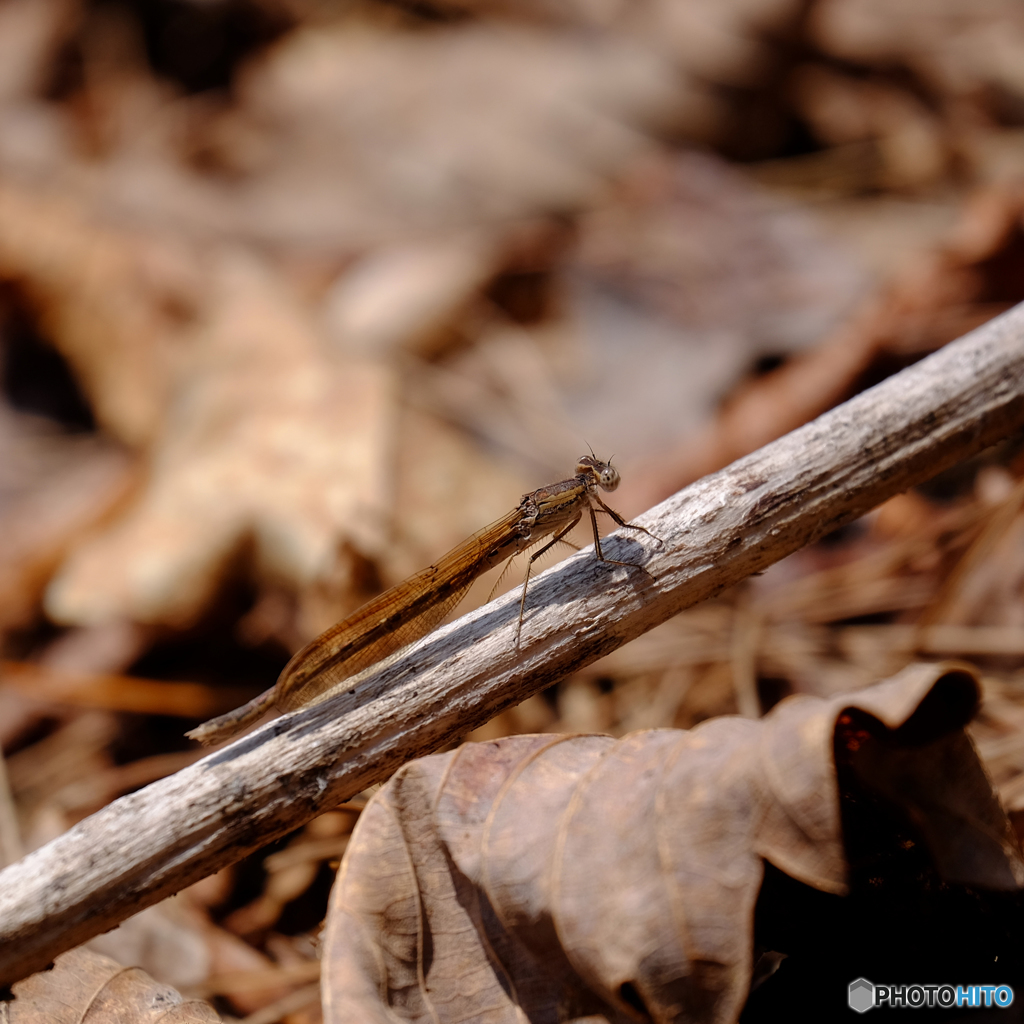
(414,607)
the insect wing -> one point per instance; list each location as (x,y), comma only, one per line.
(398,617)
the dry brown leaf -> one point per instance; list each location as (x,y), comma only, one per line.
(176,942)
(957,46)
(399,298)
(701,243)
(912,151)
(717,40)
(112,303)
(356,134)
(53,489)
(29,32)
(33,134)
(267,440)
(556,877)
(86,988)
(166,941)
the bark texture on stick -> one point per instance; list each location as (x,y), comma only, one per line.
(148,845)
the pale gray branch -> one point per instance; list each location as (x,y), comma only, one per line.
(147,845)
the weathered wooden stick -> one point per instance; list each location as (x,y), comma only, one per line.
(148,845)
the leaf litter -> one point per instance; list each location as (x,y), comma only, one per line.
(332,300)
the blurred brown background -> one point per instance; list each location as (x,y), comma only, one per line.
(297,294)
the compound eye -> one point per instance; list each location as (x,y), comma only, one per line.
(609,478)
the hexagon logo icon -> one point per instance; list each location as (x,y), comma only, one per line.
(861,995)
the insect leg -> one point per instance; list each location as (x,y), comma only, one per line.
(619,520)
(529,566)
(597,538)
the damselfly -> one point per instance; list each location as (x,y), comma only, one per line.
(414,607)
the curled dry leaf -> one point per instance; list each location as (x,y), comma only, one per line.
(86,988)
(557,877)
